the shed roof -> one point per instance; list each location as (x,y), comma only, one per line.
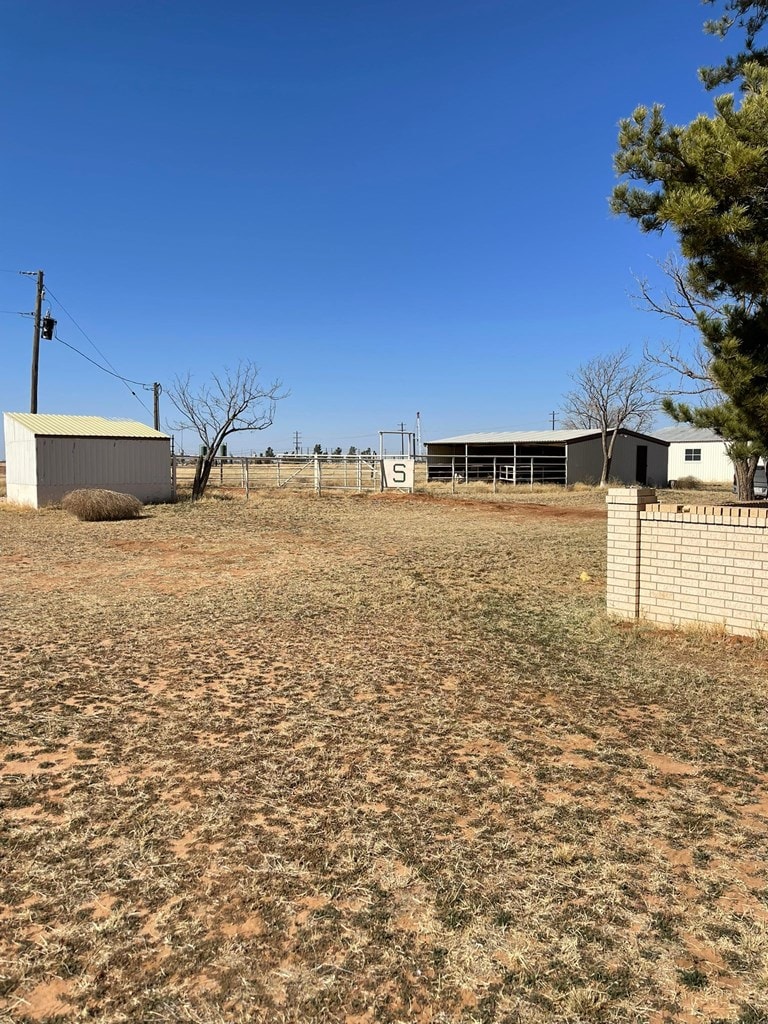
(681,432)
(54,425)
(535,437)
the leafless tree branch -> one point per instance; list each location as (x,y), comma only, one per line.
(610,394)
(693,371)
(234,401)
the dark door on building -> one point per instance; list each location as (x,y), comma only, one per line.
(641,472)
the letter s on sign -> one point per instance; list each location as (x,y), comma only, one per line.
(398,473)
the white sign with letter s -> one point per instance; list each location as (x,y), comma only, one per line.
(397,471)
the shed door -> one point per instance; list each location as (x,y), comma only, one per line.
(641,471)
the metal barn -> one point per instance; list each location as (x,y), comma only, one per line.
(555,456)
(696,452)
(49,455)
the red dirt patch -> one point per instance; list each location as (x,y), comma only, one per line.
(522,510)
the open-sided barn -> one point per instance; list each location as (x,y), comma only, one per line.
(49,455)
(554,456)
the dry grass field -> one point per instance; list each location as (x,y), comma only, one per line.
(369,759)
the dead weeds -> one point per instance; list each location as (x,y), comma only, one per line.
(358,760)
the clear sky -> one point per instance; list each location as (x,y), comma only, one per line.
(391,205)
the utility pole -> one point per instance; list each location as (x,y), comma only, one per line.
(553,420)
(402,438)
(156,392)
(296,443)
(35,335)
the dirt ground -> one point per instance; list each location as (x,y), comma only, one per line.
(368,759)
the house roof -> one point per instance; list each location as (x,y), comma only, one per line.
(683,432)
(54,425)
(536,437)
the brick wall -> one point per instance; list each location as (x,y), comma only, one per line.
(679,564)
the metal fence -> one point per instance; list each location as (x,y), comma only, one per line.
(303,472)
(320,473)
(507,469)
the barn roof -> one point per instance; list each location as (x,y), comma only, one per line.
(683,432)
(54,425)
(535,437)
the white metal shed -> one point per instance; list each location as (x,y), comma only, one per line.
(697,452)
(49,455)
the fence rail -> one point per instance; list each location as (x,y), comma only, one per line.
(505,469)
(364,472)
(305,472)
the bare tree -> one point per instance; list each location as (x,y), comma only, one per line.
(611,393)
(235,400)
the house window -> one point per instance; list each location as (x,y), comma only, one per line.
(693,454)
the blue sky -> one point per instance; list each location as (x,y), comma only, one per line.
(390,206)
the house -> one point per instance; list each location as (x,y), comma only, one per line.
(553,456)
(696,452)
(49,455)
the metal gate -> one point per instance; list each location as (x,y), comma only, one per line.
(303,472)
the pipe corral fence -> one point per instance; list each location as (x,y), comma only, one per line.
(320,473)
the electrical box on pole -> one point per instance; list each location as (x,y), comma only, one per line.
(48,328)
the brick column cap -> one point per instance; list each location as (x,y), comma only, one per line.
(631,495)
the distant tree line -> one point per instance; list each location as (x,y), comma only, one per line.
(318,449)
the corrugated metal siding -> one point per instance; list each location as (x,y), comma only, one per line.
(624,464)
(715,466)
(139,466)
(658,459)
(585,461)
(20,463)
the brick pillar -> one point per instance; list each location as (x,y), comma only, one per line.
(623,570)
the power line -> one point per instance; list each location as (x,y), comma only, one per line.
(355,437)
(142,404)
(93,345)
(49,324)
(126,380)
(112,373)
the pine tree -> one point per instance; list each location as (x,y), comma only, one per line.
(695,377)
(706,181)
(748,15)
